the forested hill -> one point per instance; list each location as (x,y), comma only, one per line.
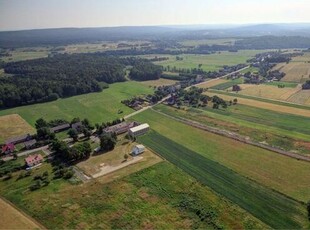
(46,79)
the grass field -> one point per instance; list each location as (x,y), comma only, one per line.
(97,107)
(157,197)
(212,62)
(267,205)
(14,219)
(302,97)
(297,70)
(282,83)
(246,125)
(13,125)
(21,55)
(227,84)
(224,41)
(268,91)
(159,82)
(263,103)
(287,175)
(212,83)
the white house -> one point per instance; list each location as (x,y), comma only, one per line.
(138,149)
(139,130)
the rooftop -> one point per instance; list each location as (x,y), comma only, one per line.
(140,127)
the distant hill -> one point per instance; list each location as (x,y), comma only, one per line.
(64,36)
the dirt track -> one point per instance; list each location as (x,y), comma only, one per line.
(13,218)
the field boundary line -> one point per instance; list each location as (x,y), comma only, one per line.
(41,226)
(234,136)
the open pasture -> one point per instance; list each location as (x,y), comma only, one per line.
(23,54)
(274,209)
(97,107)
(211,62)
(212,83)
(263,104)
(13,125)
(278,172)
(159,82)
(268,91)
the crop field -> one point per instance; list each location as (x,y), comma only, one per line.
(246,125)
(156,197)
(14,219)
(224,41)
(262,103)
(265,204)
(97,107)
(302,97)
(282,83)
(211,62)
(297,70)
(268,91)
(13,125)
(278,172)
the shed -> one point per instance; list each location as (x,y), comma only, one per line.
(138,149)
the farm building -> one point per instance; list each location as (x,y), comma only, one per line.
(78,126)
(33,160)
(138,149)
(19,139)
(29,144)
(8,148)
(59,128)
(138,130)
(120,128)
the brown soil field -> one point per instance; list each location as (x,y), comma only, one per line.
(13,125)
(264,105)
(14,219)
(302,97)
(268,91)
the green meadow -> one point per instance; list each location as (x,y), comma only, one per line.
(211,62)
(97,107)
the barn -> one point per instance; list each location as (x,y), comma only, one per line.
(139,130)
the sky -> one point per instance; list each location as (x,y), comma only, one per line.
(35,14)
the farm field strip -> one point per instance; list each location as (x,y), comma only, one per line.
(215,119)
(263,103)
(281,173)
(268,206)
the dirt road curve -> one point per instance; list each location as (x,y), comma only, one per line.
(15,219)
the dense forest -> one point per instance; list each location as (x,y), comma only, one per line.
(47,79)
(145,70)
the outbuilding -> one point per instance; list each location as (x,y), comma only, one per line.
(138,130)
(138,149)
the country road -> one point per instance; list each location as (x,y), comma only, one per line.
(167,97)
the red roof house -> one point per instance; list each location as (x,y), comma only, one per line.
(33,160)
(8,148)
